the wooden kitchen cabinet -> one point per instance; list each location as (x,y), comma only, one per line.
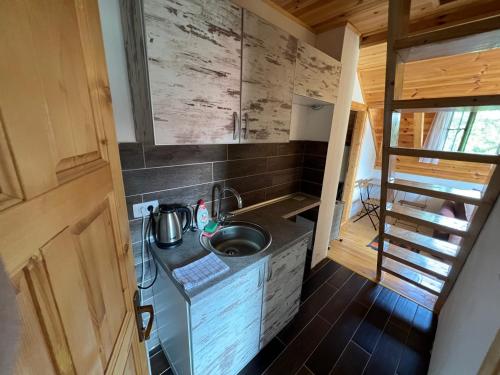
(282,288)
(317,74)
(268,64)
(193,50)
(218,333)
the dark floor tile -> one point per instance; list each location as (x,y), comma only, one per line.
(370,331)
(304,371)
(335,307)
(294,356)
(317,279)
(168,372)
(340,277)
(307,312)
(352,361)
(425,321)
(155,350)
(416,355)
(387,353)
(238,168)
(131,155)
(159,363)
(142,181)
(330,349)
(265,357)
(249,151)
(368,294)
(403,313)
(160,156)
(317,267)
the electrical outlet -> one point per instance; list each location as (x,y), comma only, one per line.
(141,209)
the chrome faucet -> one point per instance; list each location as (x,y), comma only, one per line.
(218,192)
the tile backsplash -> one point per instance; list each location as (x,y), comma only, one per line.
(184,174)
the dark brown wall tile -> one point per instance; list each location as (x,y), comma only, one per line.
(184,196)
(316,148)
(245,184)
(286,175)
(131,200)
(311,188)
(284,189)
(293,147)
(248,151)
(284,162)
(158,156)
(314,162)
(131,156)
(149,180)
(312,175)
(250,198)
(238,168)
(135,230)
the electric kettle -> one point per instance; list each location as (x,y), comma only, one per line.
(167,225)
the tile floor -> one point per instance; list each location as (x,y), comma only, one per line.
(346,325)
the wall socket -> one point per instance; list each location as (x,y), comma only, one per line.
(141,209)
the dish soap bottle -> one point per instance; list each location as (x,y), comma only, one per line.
(202,217)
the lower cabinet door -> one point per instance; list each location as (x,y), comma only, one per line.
(226,325)
(282,290)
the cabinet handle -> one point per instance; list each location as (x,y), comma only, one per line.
(236,126)
(247,126)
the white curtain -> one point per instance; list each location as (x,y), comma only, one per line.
(437,135)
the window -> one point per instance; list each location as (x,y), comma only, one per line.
(474,132)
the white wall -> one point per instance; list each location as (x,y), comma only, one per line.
(117,69)
(310,124)
(470,317)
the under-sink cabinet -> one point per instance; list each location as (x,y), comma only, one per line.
(222,329)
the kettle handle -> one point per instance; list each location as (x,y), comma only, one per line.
(188,218)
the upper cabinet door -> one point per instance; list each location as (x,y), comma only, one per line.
(316,74)
(194,62)
(267,81)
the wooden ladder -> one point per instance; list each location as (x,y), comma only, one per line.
(435,274)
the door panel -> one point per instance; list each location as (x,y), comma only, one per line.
(267,81)
(64,237)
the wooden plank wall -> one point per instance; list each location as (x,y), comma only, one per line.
(468,74)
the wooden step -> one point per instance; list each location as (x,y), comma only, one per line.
(418,241)
(437,191)
(418,261)
(448,155)
(413,276)
(474,36)
(428,219)
(465,103)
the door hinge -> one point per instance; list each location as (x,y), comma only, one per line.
(139,310)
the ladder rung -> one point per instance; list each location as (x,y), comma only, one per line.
(448,155)
(437,191)
(419,241)
(477,103)
(428,283)
(473,36)
(418,261)
(429,219)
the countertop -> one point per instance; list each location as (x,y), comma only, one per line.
(271,215)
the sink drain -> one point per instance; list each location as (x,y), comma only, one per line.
(231,251)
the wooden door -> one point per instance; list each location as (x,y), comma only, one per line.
(194,63)
(64,237)
(268,64)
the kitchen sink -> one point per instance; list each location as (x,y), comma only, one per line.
(238,239)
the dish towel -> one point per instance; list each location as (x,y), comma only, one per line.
(200,271)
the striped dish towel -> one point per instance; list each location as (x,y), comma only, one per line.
(200,271)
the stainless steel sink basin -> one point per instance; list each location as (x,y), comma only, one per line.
(238,239)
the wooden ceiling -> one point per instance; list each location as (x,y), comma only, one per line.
(370,16)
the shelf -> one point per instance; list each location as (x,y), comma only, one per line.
(413,276)
(473,36)
(448,155)
(437,191)
(429,219)
(418,241)
(418,261)
(465,103)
